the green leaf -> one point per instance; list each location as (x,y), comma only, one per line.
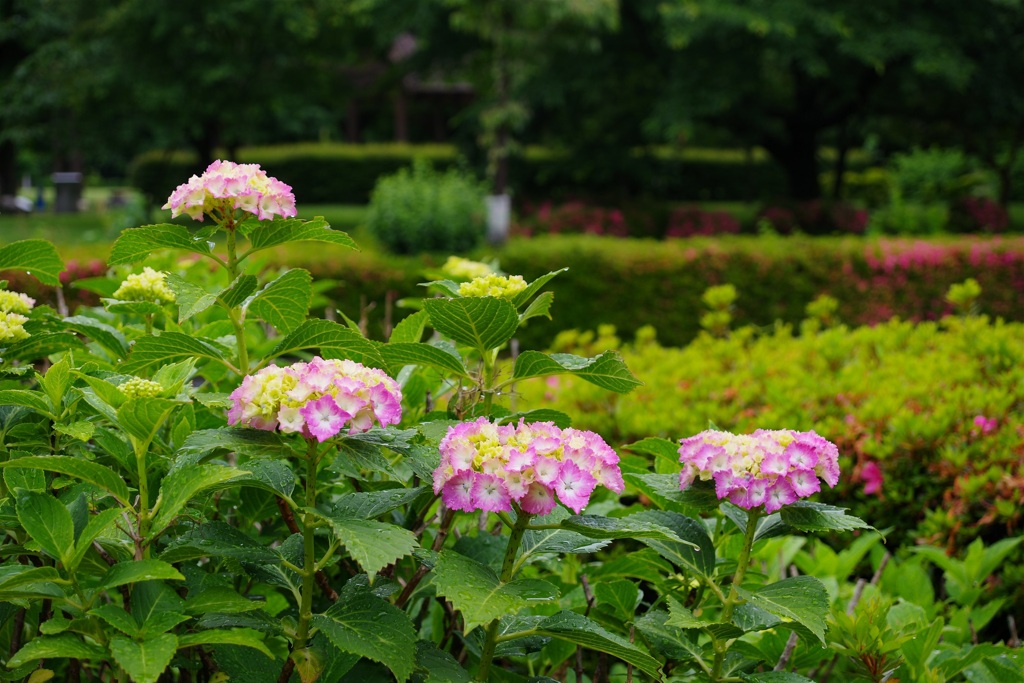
(539,307)
(254,442)
(535,287)
(475,590)
(284,302)
(632,526)
(333,341)
(440,667)
(410,329)
(483,323)
(179,487)
(117,617)
(24,478)
(98,523)
(659,448)
(621,597)
(275,476)
(245,637)
(108,338)
(218,540)
(668,641)
(86,470)
(49,524)
(696,552)
(33,400)
(144,660)
(802,599)
(238,291)
(80,430)
(133,307)
(38,258)
(64,646)
(398,354)
(134,571)
(222,600)
(169,347)
(370,627)
(663,489)
(373,545)
(273,233)
(775,677)
(808,516)
(577,629)
(56,381)
(135,244)
(560,419)
(607,371)
(682,617)
(189,298)
(370,504)
(143,417)
(41,345)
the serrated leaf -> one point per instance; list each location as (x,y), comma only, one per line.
(275,476)
(33,400)
(632,526)
(273,233)
(238,291)
(809,516)
(217,539)
(333,341)
(135,244)
(802,599)
(169,347)
(398,354)
(143,417)
(108,338)
(658,447)
(557,541)
(243,441)
(133,307)
(144,660)
(560,419)
(607,370)
(179,487)
(682,617)
(373,545)
(49,524)
(97,524)
(38,258)
(775,677)
(63,646)
(56,381)
(80,430)
(222,600)
(41,345)
(284,302)
(245,637)
(370,504)
(667,640)
(578,629)
(410,329)
(371,627)
(535,287)
(621,597)
(116,616)
(483,323)
(539,307)
(86,470)
(696,553)
(188,297)
(24,478)
(135,571)
(475,590)
(663,489)
(440,667)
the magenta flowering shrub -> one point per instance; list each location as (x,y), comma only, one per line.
(692,222)
(769,468)
(317,399)
(485,466)
(978,214)
(575,217)
(226,186)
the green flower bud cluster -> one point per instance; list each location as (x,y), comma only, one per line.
(493,285)
(137,387)
(149,285)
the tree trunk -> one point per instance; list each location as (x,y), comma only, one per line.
(799,160)
(8,169)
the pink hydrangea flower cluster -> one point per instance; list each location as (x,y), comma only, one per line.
(769,467)
(485,466)
(317,399)
(226,186)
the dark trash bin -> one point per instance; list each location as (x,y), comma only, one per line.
(68,188)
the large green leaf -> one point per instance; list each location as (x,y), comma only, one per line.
(775,677)
(663,489)
(410,329)
(256,442)
(539,307)
(56,381)
(110,339)
(370,504)
(246,637)
(475,590)
(398,354)
(26,398)
(631,526)
(42,344)
(118,617)
(275,476)
(696,552)
(272,233)
(371,627)
(578,629)
(373,545)
(557,540)
(86,470)
(218,540)
(669,641)
(535,287)
(607,371)
(38,258)
(333,341)
(169,347)
(179,487)
(144,660)
(439,666)
(483,323)
(238,291)
(802,599)
(49,524)
(284,302)
(620,597)
(134,571)
(190,298)
(808,516)
(136,244)
(220,599)
(143,417)
(63,646)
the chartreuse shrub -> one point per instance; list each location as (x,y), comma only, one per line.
(202,483)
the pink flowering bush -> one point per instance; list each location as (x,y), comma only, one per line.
(227,186)
(489,467)
(317,399)
(768,468)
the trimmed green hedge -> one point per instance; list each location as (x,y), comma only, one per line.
(346,174)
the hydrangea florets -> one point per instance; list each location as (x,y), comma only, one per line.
(464,269)
(11,327)
(149,285)
(15,302)
(136,387)
(317,399)
(226,186)
(497,286)
(769,467)
(485,466)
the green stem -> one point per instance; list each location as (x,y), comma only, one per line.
(142,547)
(309,551)
(236,320)
(487,385)
(507,571)
(733,599)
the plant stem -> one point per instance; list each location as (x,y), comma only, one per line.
(733,599)
(233,313)
(309,551)
(142,548)
(507,571)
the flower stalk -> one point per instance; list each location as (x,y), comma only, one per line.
(721,646)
